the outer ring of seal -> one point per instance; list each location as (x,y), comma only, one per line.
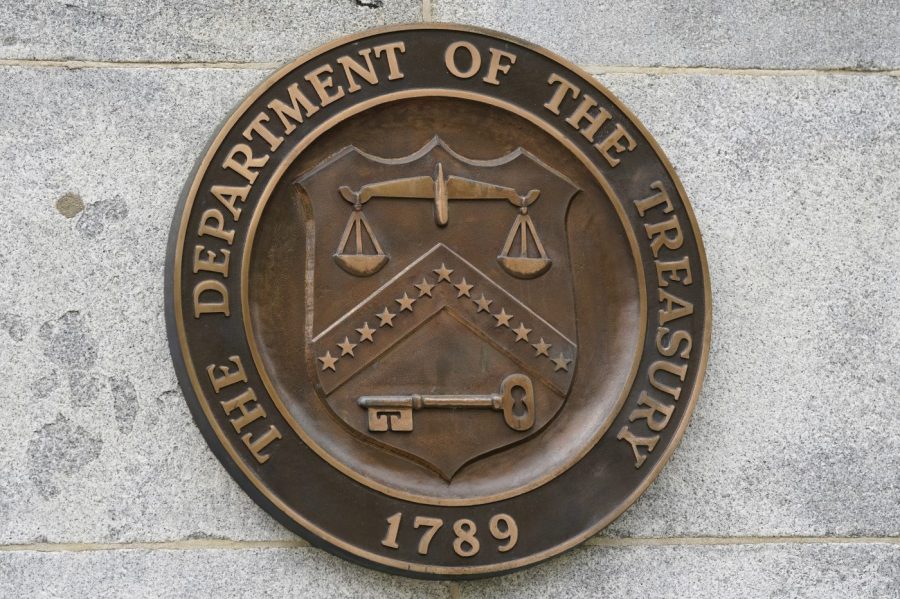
(235,465)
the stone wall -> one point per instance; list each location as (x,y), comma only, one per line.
(782,120)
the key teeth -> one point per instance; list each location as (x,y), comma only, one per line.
(382,420)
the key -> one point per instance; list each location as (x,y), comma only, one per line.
(395,412)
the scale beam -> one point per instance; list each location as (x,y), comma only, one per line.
(439,189)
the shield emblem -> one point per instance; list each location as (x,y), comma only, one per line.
(439,299)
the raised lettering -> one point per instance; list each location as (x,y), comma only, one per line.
(243,167)
(594,121)
(625,434)
(228,377)
(256,447)
(390,51)
(659,237)
(675,307)
(218,230)
(672,268)
(669,349)
(258,128)
(298,101)
(247,415)
(495,66)
(655,200)
(474,60)
(218,305)
(559,94)
(650,412)
(679,371)
(228,196)
(613,142)
(323,85)
(209,263)
(367,72)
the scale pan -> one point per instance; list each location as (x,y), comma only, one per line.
(361,265)
(523,267)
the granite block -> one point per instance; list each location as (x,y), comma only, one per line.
(213,573)
(766,571)
(861,34)
(173,31)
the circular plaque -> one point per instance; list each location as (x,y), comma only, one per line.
(437,301)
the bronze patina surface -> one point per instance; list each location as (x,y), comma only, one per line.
(437,301)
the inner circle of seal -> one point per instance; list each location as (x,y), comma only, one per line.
(320,448)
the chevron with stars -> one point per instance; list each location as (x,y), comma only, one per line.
(438,280)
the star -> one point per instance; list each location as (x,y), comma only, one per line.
(328,361)
(483,303)
(502,318)
(561,363)
(346,346)
(443,273)
(424,287)
(541,348)
(463,288)
(521,332)
(365,333)
(405,302)
(387,319)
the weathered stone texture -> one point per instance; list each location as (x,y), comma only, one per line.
(796,431)
(795,183)
(756,34)
(860,34)
(103,447)
(814,571)
(169,30)
(212,573)
(707,572)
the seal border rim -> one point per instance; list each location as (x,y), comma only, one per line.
(243,476)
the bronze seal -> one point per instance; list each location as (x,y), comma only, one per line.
(437,301)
